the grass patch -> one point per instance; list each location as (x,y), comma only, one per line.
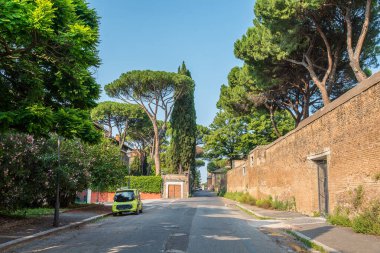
(268,203)
(340,217)
(307,243)
(28,212)
(366,222)
(39,211)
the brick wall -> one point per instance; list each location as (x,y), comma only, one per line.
(345,133)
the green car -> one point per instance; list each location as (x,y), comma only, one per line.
(127,201)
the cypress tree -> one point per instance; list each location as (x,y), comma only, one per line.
(184,127)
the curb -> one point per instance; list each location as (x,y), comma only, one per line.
(3,246)
(261,216)
(254,213)
(325,247)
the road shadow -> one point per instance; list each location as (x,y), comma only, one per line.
(204,194)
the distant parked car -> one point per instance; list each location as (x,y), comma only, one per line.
(127,201)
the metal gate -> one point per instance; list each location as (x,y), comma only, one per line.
(323,187)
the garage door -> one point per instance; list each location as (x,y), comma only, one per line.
(174,191)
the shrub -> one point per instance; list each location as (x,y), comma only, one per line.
(358,197)
(264,203)
(283,205)
(246,199)
(222,192)
(368,222)
(233,195)
(148,184)
(340,217)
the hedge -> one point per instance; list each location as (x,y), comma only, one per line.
(148,184)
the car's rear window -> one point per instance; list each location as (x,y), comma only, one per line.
(124,196)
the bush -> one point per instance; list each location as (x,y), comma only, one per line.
(222,192)
(284,205)
(148,184)
(246,199)
(233,195)
(264,203)
(268,203)
(340,217)
(369,221)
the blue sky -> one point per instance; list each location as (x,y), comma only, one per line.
(159,35)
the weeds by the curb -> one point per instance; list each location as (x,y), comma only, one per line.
(306,242)
(252,214)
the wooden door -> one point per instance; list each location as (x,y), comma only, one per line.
(174,191)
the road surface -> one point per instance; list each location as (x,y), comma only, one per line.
(199,224)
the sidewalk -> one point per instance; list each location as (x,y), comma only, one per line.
(16,230)
(338,239)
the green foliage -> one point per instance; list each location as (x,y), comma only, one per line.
(368,222)
(286,46)
(146,84)
(287,205)
(309,244)
(135,167)
(222,192)
(244,198)
(340,217)
(28,212)
(148,184)
(122,116)
(199,163)
(202,131)
(264,203)
(197,179)
(234,137)
(184,128)
(152,90)
(46,53)
(216,164)
(29,165)
(267,203)
(358,196)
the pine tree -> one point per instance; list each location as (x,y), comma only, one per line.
(184,127)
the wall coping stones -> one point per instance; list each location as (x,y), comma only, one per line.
(352,93)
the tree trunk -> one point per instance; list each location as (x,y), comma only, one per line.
(156,149)
(322,88)
(325,96)
(271,113)
(359,73)
(354,53)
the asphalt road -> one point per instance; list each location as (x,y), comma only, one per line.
(199,224)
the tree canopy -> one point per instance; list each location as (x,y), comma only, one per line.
(313,36)
(234,137)
(183,130)
(153,91)
(47,51)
